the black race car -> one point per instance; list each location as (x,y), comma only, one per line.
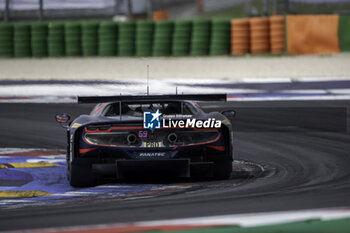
(151,135)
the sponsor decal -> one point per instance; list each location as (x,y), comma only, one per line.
(153,144)
(76,125)
(191,123)
(152,154)
(153,120)
(143,134)
(226,122)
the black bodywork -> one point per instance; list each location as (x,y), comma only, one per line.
(112,143)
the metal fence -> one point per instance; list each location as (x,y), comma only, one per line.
(15,10)
(317,6)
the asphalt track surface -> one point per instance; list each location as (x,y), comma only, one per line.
(304,147)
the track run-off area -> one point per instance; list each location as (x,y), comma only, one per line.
(290,155)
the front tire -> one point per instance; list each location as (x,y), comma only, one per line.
(222,169)
(80,175)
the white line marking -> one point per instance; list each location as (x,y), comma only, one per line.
(13,201)
(46,160)
(76,193)
(49,93)
(243,220)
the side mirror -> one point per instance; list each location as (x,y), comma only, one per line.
(230,114)
(63,119)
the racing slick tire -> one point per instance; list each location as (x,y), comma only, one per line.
(81,175)
(222,169)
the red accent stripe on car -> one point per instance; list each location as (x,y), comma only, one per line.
(220,148)
(82,151)
(98,109)
(112,128)
(61,121)
(202,143)
(204,129)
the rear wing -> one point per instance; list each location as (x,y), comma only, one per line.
(130,98)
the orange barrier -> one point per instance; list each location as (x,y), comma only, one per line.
(277,34)
(312,34)
(160,15)
(259,35)
(240,36)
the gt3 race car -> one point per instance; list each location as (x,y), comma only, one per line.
(151,135)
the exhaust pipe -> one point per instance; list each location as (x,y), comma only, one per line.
(172,137)
(131,139)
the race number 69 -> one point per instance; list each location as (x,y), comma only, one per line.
(143,134)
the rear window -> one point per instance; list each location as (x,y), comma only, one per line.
(137,109)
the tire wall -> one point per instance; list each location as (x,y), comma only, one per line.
(298,34)
(344,32)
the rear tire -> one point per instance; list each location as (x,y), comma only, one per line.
(222,169)
(80,175)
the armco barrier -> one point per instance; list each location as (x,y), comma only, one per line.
(312,34)
(344,32)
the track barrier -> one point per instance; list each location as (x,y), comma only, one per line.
(240,36)
(89,38)
(220,37)
(344,32)
(144,38)
(277,35)
(107,37)
(304,34)
(259,35)
(181,38)
(200,37)
(160,15)
(162,40)
(312,34)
